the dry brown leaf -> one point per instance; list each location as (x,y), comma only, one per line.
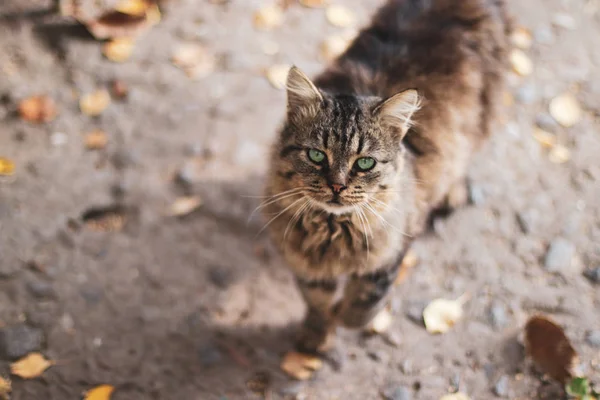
(96,140)
(549,347)
(111,219)
(277,75)
(559,154)
(442,314)
(340,16)
(133,7)
(184,205)
(119,89)
(268,17)
(38,109)
(521,63)
(7,167)
(565,109)
(382,322)
(102,392)
(5,388)
(409,261)
(196,60)
(93,104)
(31,366)
(522,38)
(118,49)
(546,139)
(455,396)
(115,24)
(300,366)
(313,3)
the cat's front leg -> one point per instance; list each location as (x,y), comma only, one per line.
(364,296)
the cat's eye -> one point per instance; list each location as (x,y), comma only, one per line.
(365,163)
(316,156)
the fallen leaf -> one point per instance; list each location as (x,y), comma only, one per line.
(184,205)
(549,347)
(7,167)
(382,322)
(300,366)
(31,366)
(93,104)
(313,3)
(578,387)
(38,109)
(119,89)
(559,154)
(102,392)
(455,396)
(335,45)
(277,75)
(340,16)
(442,314)
(133,7)
(409,261)
(109,219)
(522,38)
(196,60)
(521,63)
(565,110)
(268,17)
(96,140)
(5,388)
(118,49)
(115,23)
(546,139)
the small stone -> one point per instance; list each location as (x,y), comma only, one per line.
(476,195)
(543,35)
(527,94)
(593,275)
(546,122)
(565,21)
(498,316)
(66,323)
(293,389)
(455,381)
(92,295)
(209,355)
(220,276)
(41,289)
(391,338)
(415,312)
(397,393)
(559,256)
(58,139)
(375,355)
(17,341)
(501,386)
(124,158)
(527,220)
(593,338)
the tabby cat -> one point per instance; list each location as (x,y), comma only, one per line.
(376,144)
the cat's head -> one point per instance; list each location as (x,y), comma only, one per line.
(342,150)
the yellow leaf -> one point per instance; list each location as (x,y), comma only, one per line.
(544,138)
(31,366)
(340,16)
(565,110)
(7,167)
(96,140)
(300,366)
(196,60)
(521,38)
(38,109)
(93,104)
(559,154)
(382,322)
(521,63)
(442,314)
(132,7)
(184,205)
(5,388)
(102,392)
(268,17)
(335,45)
(118,49)
(277,75)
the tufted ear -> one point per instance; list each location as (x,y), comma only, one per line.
(302,94)
(397,111)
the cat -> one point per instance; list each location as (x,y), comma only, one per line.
(377,143)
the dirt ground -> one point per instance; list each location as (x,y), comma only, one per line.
(196,307)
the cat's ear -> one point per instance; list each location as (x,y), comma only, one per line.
(301,92)
(397,111)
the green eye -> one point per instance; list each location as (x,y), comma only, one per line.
(365,163)
(316,156)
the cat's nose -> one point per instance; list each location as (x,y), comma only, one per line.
(337,188)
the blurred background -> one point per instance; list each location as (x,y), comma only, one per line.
(132,151)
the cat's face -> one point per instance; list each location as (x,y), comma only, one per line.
(341,151)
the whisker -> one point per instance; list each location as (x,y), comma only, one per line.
(296,216)
(279,214)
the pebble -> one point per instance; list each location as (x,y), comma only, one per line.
(125,158)
(546,122)
(527,94)
(220,276)
(528,220)
(397,393)
(41,289)
(20,340)
(375,355)
(58,139)
(406,367)
(559,256)
(593,275)
(498,317)
(92,295)
(543,35)
(501,386)
(209,355)
(476,195)
(593,338)
(292,389)
(415,312)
